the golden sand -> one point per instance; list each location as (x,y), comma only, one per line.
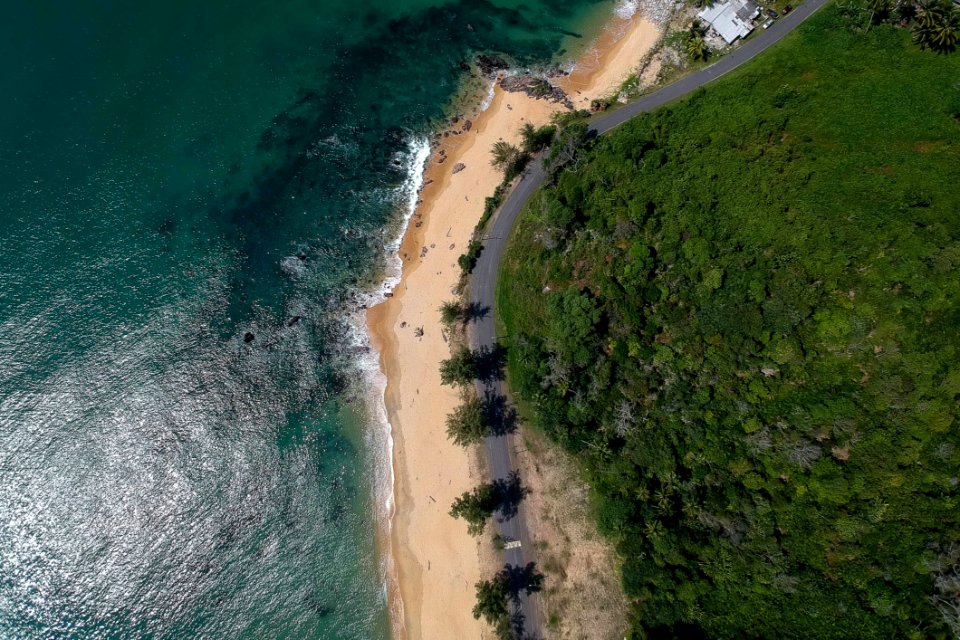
(435,562)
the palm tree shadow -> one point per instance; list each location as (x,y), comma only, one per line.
(524,579)
(519,580)
(475,311)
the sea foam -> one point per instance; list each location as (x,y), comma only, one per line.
(380,434)
(627,8)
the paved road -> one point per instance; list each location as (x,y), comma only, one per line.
(501,450)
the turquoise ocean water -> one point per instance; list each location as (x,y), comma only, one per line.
(191,194)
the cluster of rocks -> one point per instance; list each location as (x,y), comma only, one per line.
(491,65)
(537,88)
(460,126)
(660,12)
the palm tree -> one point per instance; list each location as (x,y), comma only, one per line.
(529,135)
(504,154)
(946,35)
(697,47)
(929,14)
(937,26)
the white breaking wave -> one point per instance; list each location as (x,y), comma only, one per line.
(488,99)
(380,435)
(626,9)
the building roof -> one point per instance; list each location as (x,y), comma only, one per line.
(731,19)
(748,11)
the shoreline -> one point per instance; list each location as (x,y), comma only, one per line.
(428,471)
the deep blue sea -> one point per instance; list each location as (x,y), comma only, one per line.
(191,195)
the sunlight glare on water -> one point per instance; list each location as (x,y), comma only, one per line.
(191,196)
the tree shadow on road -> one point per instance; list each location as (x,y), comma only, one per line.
(521,579)
(475,311)
(490,362)
(518,580)
(509,494)
(499,415)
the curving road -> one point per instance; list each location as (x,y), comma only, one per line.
(500,449)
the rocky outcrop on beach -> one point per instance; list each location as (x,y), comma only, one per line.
(537,88)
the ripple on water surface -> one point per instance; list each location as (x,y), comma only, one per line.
(177,176)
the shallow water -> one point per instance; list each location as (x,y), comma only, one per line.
(175,176)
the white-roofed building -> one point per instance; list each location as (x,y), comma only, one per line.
(732,19)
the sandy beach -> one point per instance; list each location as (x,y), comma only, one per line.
(435,562)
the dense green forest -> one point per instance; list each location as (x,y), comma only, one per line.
(741,314)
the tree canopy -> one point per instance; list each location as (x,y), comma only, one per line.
(476,507)
(468,424)
(461,368)
(742,315)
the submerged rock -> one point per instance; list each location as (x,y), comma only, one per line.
(491,64)
(248,337)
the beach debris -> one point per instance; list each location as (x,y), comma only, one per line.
(433,245)
(537,88)
(403,324)
(441,159)
(248,337)
(453,245)
(388,294)
(467,125)
(423,252)
(418,332)
(457,168)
